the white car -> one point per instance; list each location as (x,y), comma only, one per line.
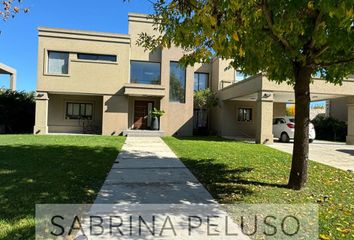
(284,129)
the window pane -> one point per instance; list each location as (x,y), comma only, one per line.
(145,72)
(196,81)
(76,109)
(177,83)
(244,114)
(97,57)
(82,109)
(88,109)
(58,62)
(70,109)
(203,81)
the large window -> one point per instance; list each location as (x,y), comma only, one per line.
(97,57)
(145,72)
(201,81)
(177,83)
(58,62)
(245,114)
(79,110)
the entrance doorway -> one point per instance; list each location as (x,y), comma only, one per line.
(141,114)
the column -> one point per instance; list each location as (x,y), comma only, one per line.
(350,134)
(13,81)
(264,132)
(41,124)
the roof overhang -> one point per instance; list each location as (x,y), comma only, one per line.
(247,90)
(144,90)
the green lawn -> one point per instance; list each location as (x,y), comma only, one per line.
(49,169)
(242,172)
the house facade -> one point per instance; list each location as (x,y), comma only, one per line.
(103,83)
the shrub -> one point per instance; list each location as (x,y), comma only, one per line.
(329,128)
(17,111)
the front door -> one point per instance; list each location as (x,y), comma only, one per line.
(141,114)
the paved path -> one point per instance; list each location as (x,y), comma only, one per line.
(148,172)
(338,155)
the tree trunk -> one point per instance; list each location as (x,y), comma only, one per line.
(298,173)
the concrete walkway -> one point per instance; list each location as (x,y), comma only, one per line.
(334,154)
(148,172)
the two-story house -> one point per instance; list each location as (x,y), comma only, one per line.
(104,83)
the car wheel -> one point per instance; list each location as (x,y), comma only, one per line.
(311,141)
(284,137)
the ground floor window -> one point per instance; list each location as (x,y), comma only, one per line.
(79,110)
(244,114)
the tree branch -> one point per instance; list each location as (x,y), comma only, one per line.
(328,64)
(315,29)
(270,23)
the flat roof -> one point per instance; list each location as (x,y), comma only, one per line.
(83,35)
(4,69)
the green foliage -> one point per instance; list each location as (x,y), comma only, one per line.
(238,172)
(271,36)
(157,113)
(205,99)
(17,111)
(329,128)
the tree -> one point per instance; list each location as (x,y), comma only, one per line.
(17,111)
(204,100)
(290,110)
(10,8)
(287,40)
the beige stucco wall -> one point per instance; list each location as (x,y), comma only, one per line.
(57,110)
(139,23)
(115,114)
(178,119)
(225,118)
(84,76)
(222,72)
(338,108)
(350,135)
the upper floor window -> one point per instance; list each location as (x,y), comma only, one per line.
(145,72)
(58,62)
(177,83)
(79,110)
(201,81)
(97,57)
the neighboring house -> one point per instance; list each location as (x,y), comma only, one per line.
(103,83)
(11,72)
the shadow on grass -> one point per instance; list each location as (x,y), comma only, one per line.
(222,181)
(34,174)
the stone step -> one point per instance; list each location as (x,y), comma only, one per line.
(142,133)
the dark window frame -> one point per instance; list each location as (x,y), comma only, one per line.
(48,59)
(80,116)
(201,73)
(140,61)
(242,116)
(99,57)
(185,85)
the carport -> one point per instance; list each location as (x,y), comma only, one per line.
(11,72)
(268,99)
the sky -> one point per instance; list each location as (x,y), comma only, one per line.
(18,40)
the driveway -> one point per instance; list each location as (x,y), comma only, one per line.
(338,155)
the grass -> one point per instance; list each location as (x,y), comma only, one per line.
(241,172)
(49,169)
